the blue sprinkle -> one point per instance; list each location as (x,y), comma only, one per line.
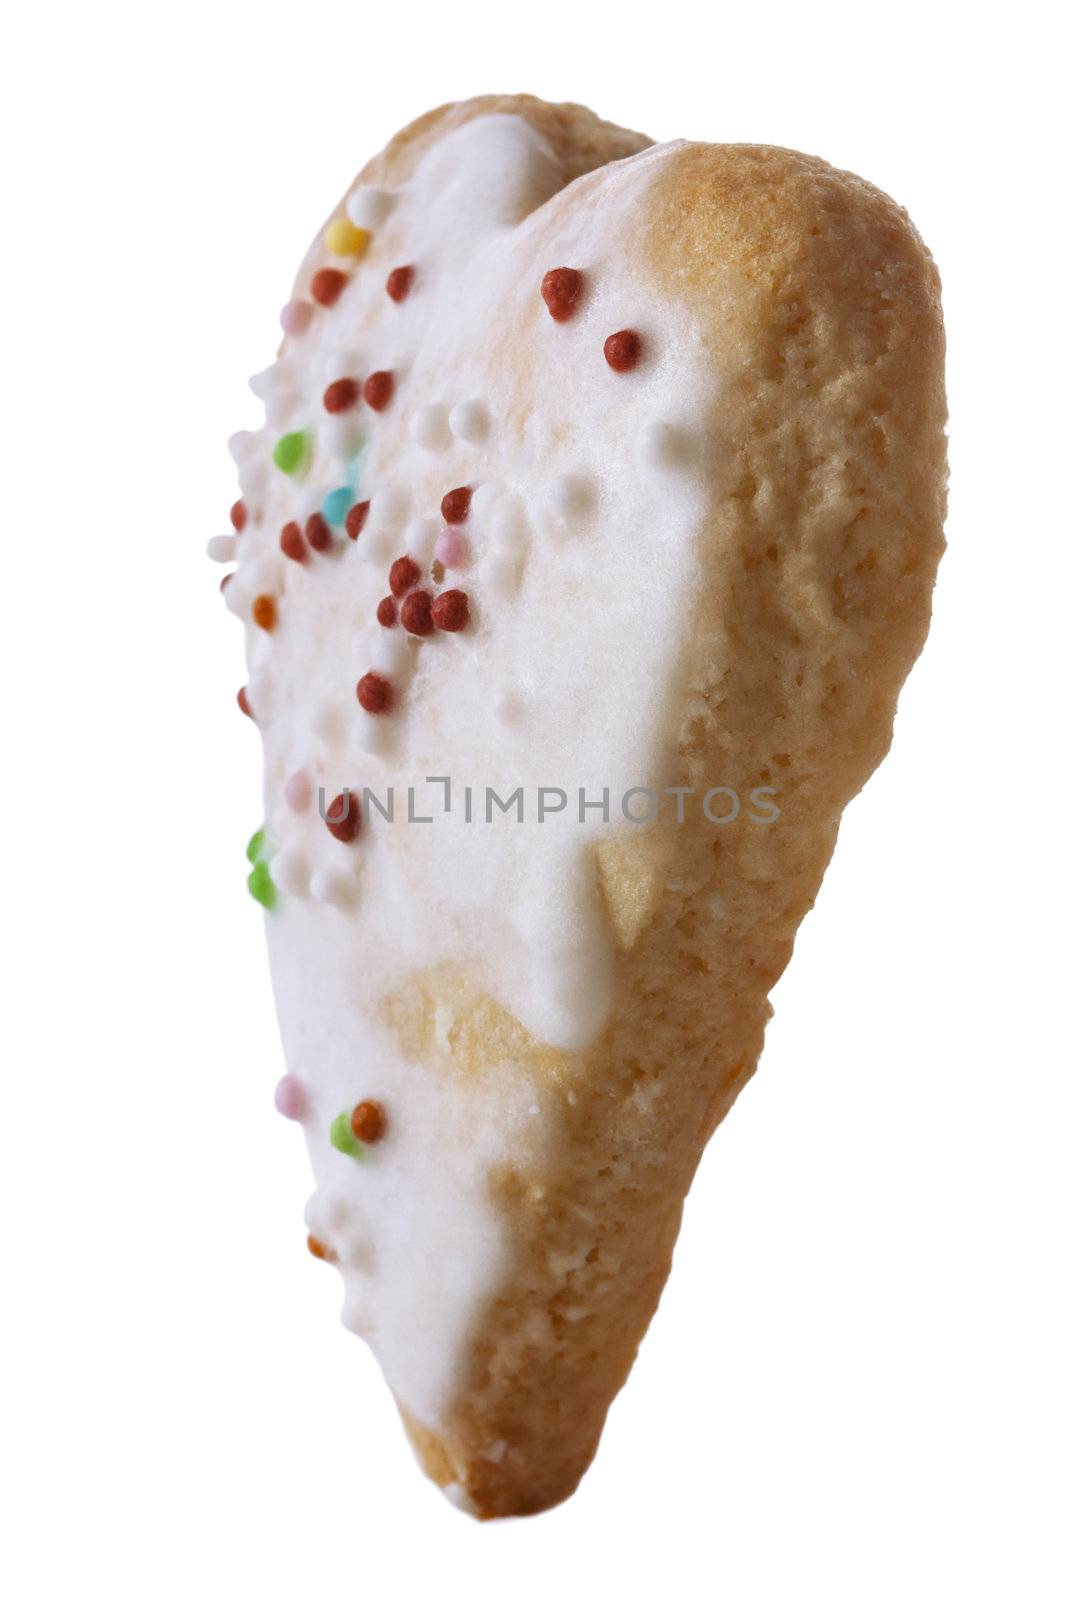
(336,506)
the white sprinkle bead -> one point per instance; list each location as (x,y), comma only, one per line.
(280,407)
(390,654)
(663,445)
(570,497)
(508,529)
(509,709)
(269,381)
(374,736)
(334,887)
(238,597)
(377,546)
(469,420)
(328,722)
(290,872)
(242,445)
(430,429)
(420,537)
(222,547)
(340,436)
(345,364)
(252,477)
(500,576)
(389,508)
(486,497)
(368,208)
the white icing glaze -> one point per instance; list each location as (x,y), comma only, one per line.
(579,575)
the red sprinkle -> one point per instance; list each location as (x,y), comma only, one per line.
(403,574)
(368,1122)
(416,612)
(562,290)
(318,534)
(622,350)
(353,523)
(326,286)
(341,395)
(244,702)
(450,610)
(292,542)
(400,282)
(378,390)
(375,693)
(386,611)
(238,515)
(455,505)
(343,818)
(317,1248)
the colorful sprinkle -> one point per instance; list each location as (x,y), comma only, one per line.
(342,1138)
(354,521)
(297,791)
(455,504)
(453,548)
(416,613)
(368,1122)
(386,611)
(261,886)
(296,316)
(343,817)
(289,1098)
(326,286)
(244,702)
(320,1250)
(450,611)
(561,290)
(255,846)
(336,506)
(403,574)
(375,693)
(378,390)
(343,238)
(238,515)
(291,453)
(341,395)
(264,612)
(317,531)
(623,350)
(292,542)
(225,580)
(399,283)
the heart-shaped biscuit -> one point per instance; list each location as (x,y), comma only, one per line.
(585,548)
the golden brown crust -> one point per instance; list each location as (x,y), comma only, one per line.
(820,311)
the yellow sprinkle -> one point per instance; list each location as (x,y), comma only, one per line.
(343,238)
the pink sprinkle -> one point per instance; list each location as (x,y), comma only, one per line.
(297,791)
(289,1098)
(452,548)
(296,315)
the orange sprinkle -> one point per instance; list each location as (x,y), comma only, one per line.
(263,612)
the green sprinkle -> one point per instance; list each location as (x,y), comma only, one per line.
(292,453)
(261,885)
(256,847)
(343,1139)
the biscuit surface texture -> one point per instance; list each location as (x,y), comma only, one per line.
(708,570)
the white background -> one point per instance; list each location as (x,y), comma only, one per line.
(869,1373)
